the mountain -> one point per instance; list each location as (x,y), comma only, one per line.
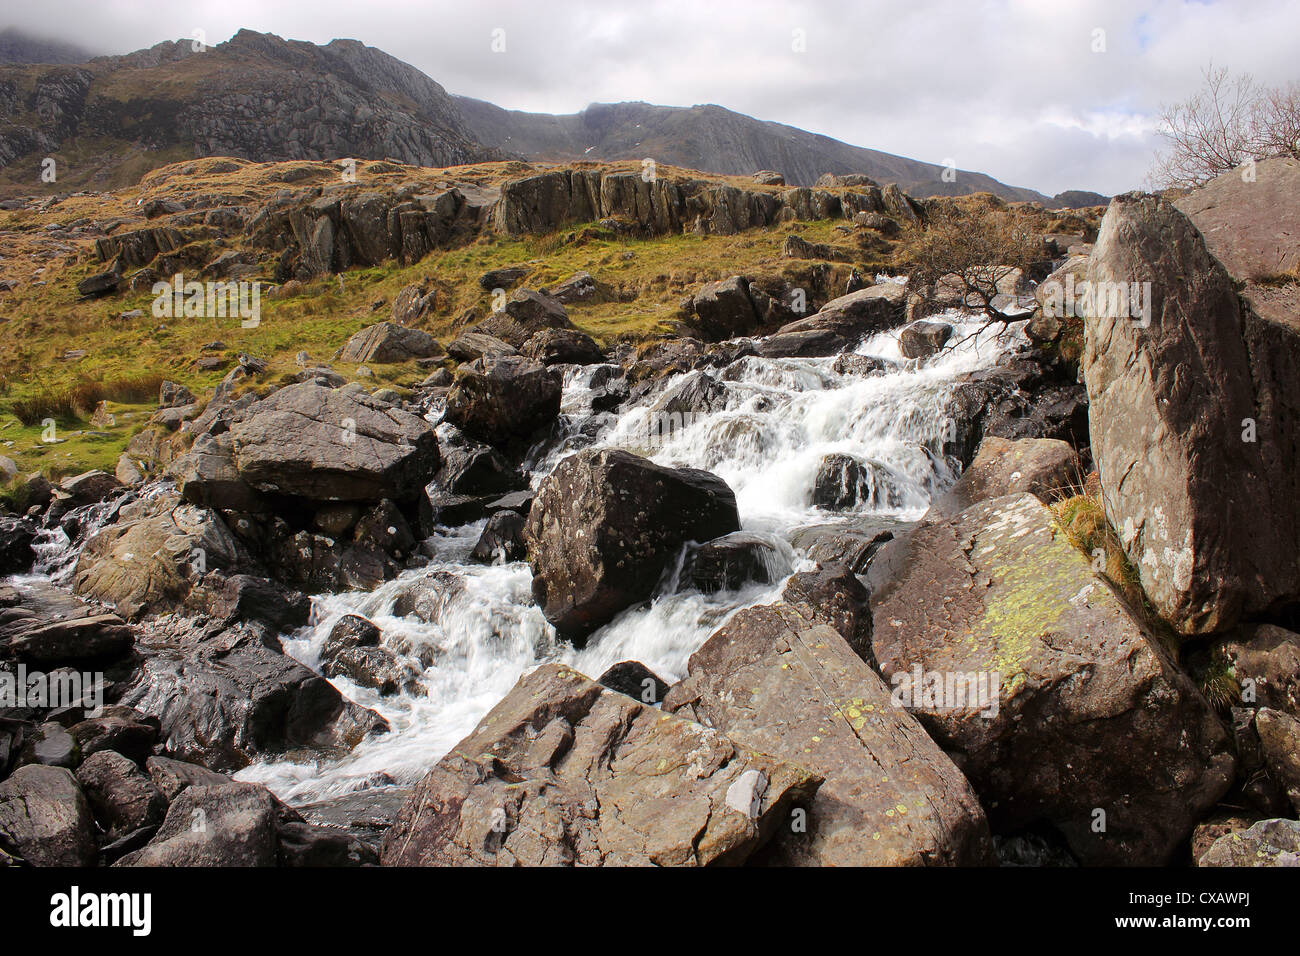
(111,119)
(712,139)
(19,47)
(255,96)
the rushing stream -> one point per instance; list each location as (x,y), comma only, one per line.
(781,418)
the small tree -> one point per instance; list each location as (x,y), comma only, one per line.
(1229,122)
(965,254)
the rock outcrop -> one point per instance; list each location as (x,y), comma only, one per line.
(1195,419)
(564,772)
(1127,754)
(774,681)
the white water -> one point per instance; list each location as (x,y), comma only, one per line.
(781,417)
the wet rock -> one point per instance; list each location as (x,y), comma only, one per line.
(873,309)
(353,650)
(45,819)
(565,772)
(121,797)
(803,343)
(636,680)
(364,815)
(246,597)
(698,393)
(470,478)
(843,482)
(605,525)
(88,639)
(850,545)
(922,339)
(1073,686)
(730,562)
(773,681)
(507,400)
(502,540)
(224,697)
(16,537)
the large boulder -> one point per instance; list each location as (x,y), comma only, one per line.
(150,560)
(224,696)
(775,681)
(505,399)
(329,444)
(387,343)
(1195,419)
(45,819)
(565,772)
(606,524)
(122,797)
(229,825)
(873,309)
(1045,467)
(998,636)
(206,475)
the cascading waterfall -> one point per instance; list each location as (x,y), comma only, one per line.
(474,630)
(780,418)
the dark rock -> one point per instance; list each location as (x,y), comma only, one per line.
(922,339)
(636,680)
(508,400)
(732,561)
(388,343)
(45,819)
(122,798)
(605,525)
(502,540)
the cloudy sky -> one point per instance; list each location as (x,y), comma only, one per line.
(1050,94)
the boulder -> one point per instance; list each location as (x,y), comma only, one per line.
(1279,740)
(565,772)
(1195,420)
(502,278)
(469,346)
(502,540)
(833,596)
(732,561)
(171,777)
(1043,467)
(469,479)
(151,559)
(852,546)
(844,482)
(606,524)
(353,650)
(724,309)
(1266,843)
(388,343)
(230,825)
(873,309)
(122,798)
(226,696)
(773,681)
(119,729)
(45,819)
(563,347)
(505,401)
(922,339)
(1127,754)
(327,444)
(1267,660)
(579,287)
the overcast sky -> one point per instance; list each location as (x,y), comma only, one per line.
(1012,88)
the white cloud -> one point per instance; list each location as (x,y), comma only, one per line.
(1012,88)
